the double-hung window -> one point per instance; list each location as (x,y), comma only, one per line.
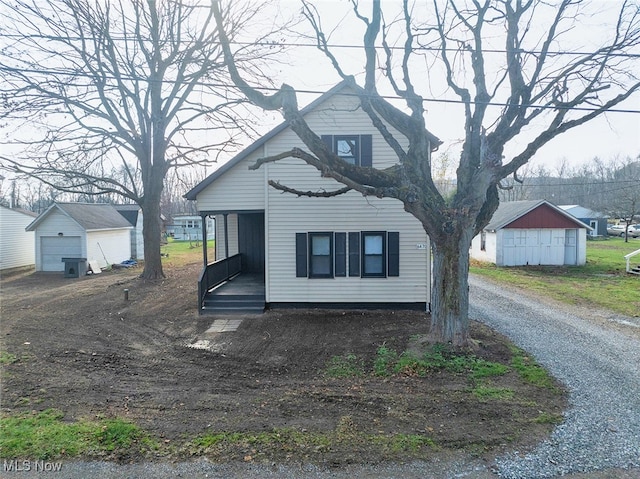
(321,255)
(365,254)
(374,254)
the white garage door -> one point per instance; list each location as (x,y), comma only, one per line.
(54,248)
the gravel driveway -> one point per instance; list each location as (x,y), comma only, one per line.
(596,354)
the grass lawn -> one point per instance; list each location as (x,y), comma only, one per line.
(602,281)
(179,253)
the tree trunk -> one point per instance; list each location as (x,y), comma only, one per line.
(152,230)
(450,292)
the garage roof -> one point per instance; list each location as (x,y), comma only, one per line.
(510,211)
(90,216)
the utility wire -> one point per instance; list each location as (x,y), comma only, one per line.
(307,91)
(344,46)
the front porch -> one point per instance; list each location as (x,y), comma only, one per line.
(242,294)
(234,283)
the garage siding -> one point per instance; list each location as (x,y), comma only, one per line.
(108,247)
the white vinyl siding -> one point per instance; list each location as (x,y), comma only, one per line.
(17,246)
(340,115)
(238,189)
(108,247)
(232,231)
(290,215)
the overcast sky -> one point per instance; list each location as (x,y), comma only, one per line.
(615,134)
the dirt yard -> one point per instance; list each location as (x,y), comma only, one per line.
(82,349)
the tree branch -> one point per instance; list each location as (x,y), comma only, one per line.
(310,194)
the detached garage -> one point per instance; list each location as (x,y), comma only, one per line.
(93,231)
(531,233)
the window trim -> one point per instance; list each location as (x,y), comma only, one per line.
(318,234)
(383,256)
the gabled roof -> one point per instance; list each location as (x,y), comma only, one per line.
(20,210)
(191,195)
(130,212)
(581,211)
(90,216)
(510,211)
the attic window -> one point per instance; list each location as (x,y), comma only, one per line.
(354,149)
(348,148)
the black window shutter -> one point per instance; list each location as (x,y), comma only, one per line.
(328,140)
(340,246)
(354,254)
(366,153)
(301,255)
(393,253)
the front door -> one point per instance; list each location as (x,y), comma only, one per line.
(251,242)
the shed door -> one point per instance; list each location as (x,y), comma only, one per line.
(54,248)
(570,247)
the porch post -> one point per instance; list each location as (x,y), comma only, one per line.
(226,236)
(204,239)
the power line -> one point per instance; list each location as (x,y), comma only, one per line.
(350,46)
(318,92)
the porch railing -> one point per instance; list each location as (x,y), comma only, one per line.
(216,273)
(628,258)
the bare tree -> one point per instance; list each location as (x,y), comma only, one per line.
(112,94)
(534,86)
(625,199)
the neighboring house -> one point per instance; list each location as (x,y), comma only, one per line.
(16,245)
(531,233)
(597,221)
(189,228)
(80,230)
(341,251)
(133,214)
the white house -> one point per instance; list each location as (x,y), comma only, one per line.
(16,245)
(133,214)
(189,228)
(92,231)
(341,251)
(531,233)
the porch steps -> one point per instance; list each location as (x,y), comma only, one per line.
(635,269)
(233,304)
